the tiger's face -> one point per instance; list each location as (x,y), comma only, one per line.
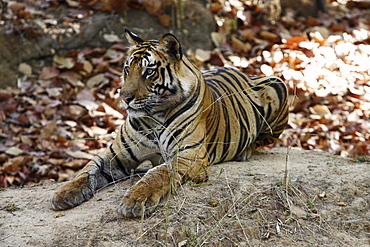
(150,75)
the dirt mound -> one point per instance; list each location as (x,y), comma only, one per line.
(324,202)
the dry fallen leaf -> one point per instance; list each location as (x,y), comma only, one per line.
(98,80)
(80,155)
(25,68)
(202,55)
(48,72)
(48,130)
(240,45)
(153,6)
(17,7)
(64,62)
(320,110)
(269,36)
(112,38)
(14,151)
(71,77)
(164,20)
(76,110)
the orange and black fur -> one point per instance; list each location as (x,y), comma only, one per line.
(182,120)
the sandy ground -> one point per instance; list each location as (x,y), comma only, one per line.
(325,202)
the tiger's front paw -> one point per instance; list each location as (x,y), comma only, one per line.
(136,203)
(145,195)
(72,193)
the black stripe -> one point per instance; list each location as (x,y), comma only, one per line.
(118,161)
(168,67)
(174,135)
(192,146)
(107,176)
(100,164)
(147,131)
(127,148)
(187,106)
(191,68)
(159,86)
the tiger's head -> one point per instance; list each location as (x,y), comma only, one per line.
(154,78)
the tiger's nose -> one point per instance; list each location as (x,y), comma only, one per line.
(127,99)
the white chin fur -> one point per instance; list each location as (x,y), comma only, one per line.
(134,113)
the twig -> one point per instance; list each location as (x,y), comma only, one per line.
(136,173)
(357,220)
(1,239)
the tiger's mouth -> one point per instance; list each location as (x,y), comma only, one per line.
(151,104)
(137,108)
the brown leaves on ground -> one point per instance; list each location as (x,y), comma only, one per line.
(52,126)
(66,111)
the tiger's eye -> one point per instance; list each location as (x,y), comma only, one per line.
(149,71)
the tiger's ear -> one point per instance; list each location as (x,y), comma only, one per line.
(132,38)
(171,46)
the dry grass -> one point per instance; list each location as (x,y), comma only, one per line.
(231,215)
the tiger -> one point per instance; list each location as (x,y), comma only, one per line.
(182,120)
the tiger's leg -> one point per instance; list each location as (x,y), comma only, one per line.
(148,191)
(105,168)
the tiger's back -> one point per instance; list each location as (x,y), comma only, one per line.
(246,112)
